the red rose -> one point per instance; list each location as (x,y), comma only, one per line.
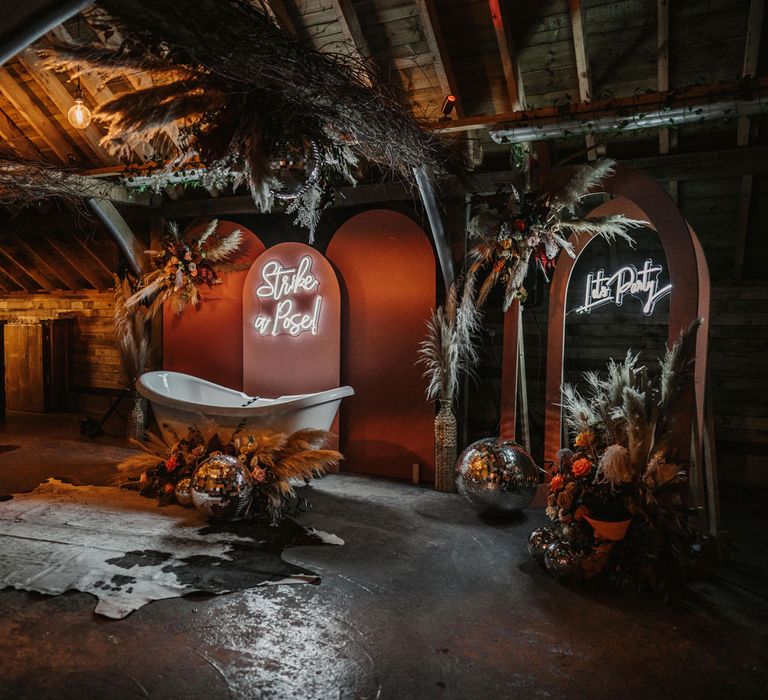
(556,483)
(519,224)
(171,463)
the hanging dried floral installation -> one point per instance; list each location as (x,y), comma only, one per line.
(250,98)
(182,266)
(534,226)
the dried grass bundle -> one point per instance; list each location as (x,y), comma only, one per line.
(449,347)
(239,85)
(132,329)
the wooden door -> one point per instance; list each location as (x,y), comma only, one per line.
(24,377)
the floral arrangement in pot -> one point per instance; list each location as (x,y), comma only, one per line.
(271,459)
(618,498)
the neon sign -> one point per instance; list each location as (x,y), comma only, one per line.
(643,284)
(297,303)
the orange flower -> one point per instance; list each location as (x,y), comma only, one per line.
(556,483)
(168,488)
(506,243)
(585,439)
(581,467)
(171,463)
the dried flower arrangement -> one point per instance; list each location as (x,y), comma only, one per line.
(536,226)
(619,496)
(24,182)
(449,347)
(272,458)
(132,329)
(182,266)
(241,86)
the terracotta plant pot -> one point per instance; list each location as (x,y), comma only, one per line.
(609,529)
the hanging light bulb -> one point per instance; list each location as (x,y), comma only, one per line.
(79,115)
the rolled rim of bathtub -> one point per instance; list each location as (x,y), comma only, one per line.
(149,385)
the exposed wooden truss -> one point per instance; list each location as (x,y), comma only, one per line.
(15,138)
(509,62)
(433,33)
(346,16)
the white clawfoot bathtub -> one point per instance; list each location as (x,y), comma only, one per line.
(181,401)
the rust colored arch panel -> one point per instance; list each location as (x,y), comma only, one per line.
(207,341)
(637,196)
(387,270)
(290,323)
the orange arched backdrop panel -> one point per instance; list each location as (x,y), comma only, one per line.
(387,271)
(206,341)
(291,318)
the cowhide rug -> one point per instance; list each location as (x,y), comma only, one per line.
(127,551)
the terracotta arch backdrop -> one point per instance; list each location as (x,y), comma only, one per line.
(293,348)
(637,196)
(387,270)
(207,341)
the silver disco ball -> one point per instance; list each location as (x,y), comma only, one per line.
(539,540)
(561,559)
(222,488)
(497,477)
(183,491)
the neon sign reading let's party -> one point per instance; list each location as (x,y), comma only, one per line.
(644,284)
(296,301)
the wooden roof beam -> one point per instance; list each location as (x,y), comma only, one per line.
(433,33)
(96,86)
(346,16)
(16,280)
(61,97)
(582,64)
(277,10)
(44,265)
(508,55)
(30,272)
(743,128)
(17,140)
(85,273)
(34,116)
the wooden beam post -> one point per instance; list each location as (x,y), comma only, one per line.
(582,65)
(508,55)
(433,33)
(743,128)
(346,16)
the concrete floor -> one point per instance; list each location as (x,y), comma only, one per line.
(425,600)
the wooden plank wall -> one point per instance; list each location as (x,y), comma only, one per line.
(95,360)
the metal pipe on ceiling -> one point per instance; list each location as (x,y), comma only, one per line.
(25,22)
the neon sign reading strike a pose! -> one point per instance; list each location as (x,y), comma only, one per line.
(643,284)
(289,288)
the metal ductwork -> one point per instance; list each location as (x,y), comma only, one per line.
(24,22)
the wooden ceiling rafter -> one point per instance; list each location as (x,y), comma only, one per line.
(81,270)
(69,282)
(100,92)
(17,140)
(138,80)
(582,65)
(4,268)
(433,34)
(33,115)
(509,62)
(63,100)
(662,67)
(743,128)
(278,11)
(349,22)
(41,280)
(93,256)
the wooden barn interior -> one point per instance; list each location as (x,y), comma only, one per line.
(422,592)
